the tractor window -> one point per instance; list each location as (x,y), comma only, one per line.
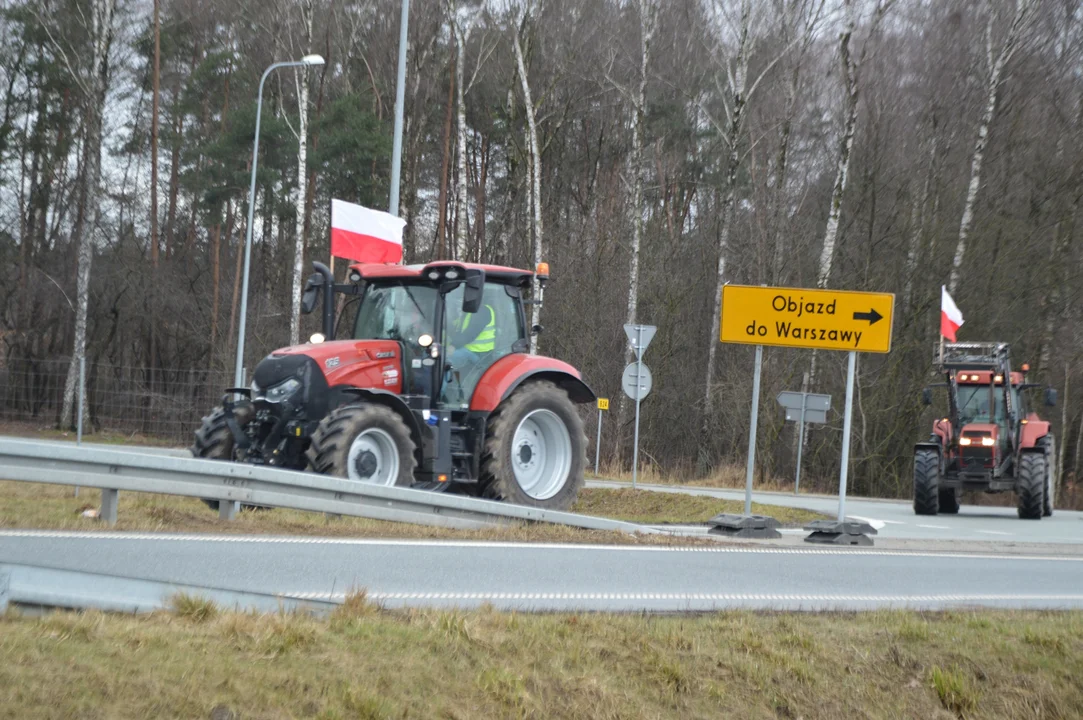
(475,341)
(396,312)
(974,405)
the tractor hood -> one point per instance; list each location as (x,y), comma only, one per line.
(358,363)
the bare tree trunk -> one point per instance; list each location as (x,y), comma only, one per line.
(846,145)
(101,38)
(301,76)
(918,222)
(461,36)
(996,78)
(647,15)
(738,83)
(536,170)
(154,138)
(441,223)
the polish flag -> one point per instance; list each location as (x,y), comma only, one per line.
(950,317)
(364,235)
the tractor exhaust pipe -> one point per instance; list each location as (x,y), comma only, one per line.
(328,299)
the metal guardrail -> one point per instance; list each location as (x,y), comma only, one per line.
(32,587)
(116,470)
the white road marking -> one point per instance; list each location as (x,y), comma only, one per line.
(935,527)
(993,532)
(293,540)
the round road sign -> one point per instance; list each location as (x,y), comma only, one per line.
(632,388)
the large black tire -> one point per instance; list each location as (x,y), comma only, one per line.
(537,431)
(1049,443)
(1030,485)
(927,482)
(214,441)
(383,450)
(949,501)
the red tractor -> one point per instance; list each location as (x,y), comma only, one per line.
(989,441)
(430,386)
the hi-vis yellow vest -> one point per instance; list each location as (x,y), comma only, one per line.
(486,340)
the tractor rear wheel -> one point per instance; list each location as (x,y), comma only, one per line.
(366,443)
(1050,444)
(1030,485)
(535,450)
(927,482)
(214,441)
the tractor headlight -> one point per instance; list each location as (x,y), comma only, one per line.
(283,390)
(988,441)
(965,441)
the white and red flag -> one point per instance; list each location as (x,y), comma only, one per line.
(950,317)
(364,235)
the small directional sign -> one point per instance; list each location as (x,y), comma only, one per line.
(643,334)
(792,401)
(635,387)
(807,318)
(603,403)
(816,417)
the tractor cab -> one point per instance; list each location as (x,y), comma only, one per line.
(451,331)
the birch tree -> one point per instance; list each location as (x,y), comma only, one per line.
(535,169)
(851,69)
(995,67)
(301,80)
(93,87)
(735,92)
(648,17)
(462,27)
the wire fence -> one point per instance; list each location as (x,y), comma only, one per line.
(160,403)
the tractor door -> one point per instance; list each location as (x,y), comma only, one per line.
(474,341)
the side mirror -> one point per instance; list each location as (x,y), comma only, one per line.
(927,396)
(311,294)
(475,287)
(1050,397)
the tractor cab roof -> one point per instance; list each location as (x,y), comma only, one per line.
(435,271)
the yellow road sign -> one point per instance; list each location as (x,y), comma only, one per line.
(603,403)
(817,319)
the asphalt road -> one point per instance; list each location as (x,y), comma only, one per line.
(894,519)
(563,577)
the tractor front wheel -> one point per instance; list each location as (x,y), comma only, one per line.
(1030,485)
(535,452)
(214,441)
(366,443)
(927,483)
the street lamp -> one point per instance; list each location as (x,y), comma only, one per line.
(238,373)
(400,101)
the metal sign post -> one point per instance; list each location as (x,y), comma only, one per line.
(810,408)
(637,381)
(752,430)
(847,422)
(603,404)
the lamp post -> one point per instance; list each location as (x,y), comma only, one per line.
(238,378)
(400,101)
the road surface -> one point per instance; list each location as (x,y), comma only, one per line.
(563,577)
(895,519)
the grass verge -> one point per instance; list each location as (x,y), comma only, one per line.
(54,507)
(363,662)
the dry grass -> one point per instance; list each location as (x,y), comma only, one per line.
(363,662)
(54,507)
(662,507)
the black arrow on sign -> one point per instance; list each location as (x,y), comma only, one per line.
(872,316)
